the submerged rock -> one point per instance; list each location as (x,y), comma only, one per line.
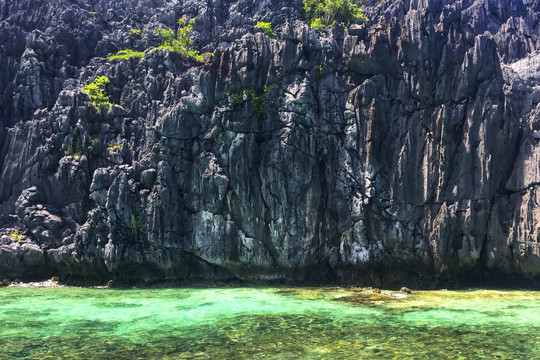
(403,150)
(37,284)
(369,299)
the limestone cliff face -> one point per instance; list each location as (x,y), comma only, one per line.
(401,151)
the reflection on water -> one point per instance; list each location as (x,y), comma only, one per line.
(272,323)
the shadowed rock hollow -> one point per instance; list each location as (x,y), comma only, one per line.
(398,152)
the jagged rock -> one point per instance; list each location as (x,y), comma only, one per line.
(403,150)
(23,261)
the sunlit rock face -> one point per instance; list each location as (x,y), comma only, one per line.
(401,151)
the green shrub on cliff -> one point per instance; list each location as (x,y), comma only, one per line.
(114,148)
(182,42)
(96,92)
(74,147)
(256,99)
(126,54)
(134,226)
(94,143)
(266,27)
(322,13)
(17,237)
(258,103)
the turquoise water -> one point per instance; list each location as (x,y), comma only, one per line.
(269,323)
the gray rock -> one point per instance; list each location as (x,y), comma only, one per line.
(401,151)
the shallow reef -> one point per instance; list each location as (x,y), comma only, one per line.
(273,323)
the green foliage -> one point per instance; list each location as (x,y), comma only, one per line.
(266,27)
(317,24)
(135,32)
(238,98)
(320,69)
(168,37)
(126,54)
(182,43)
(134,226)
(258,101)
(97,93)
(17,237)
(322,13)
(94,142)
(74,147)
(114,148)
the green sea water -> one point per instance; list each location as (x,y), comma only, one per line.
(267,323)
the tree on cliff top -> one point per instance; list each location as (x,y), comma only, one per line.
(322,13)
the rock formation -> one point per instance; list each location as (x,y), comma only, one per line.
(403,151)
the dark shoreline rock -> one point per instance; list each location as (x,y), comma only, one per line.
(493,282)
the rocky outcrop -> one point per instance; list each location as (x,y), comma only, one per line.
(401,151)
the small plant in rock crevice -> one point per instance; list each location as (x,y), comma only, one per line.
(96,92)
(134,226)
(94,143)
(74,148)
(17,237)
(320,69)
(258,103)
(257,100)
(114,148)
(266,27)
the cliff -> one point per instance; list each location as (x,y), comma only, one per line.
(403,151)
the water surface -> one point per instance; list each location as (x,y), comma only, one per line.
(269,323)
